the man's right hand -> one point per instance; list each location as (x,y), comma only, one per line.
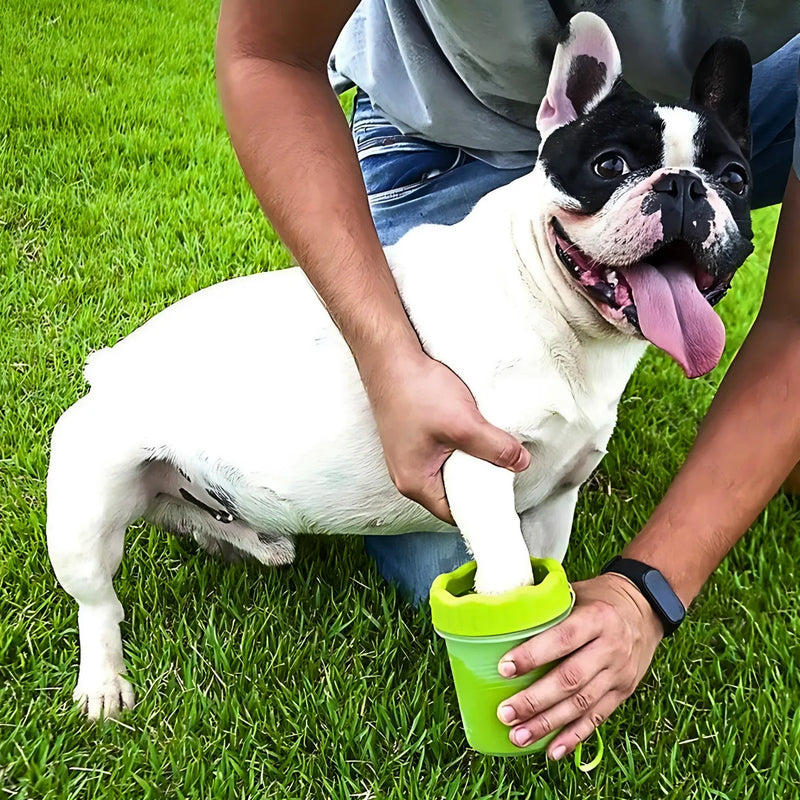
(424,412)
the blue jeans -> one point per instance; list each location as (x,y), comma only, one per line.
(411,181)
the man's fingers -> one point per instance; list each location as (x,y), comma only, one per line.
(575,631)
(483,440)
(584,727)
(579,708)
(566,683)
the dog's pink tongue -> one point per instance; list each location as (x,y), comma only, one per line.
(674,316)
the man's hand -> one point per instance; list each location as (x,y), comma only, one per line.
(607,643)
(424,412)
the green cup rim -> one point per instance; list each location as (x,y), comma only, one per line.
(456,610)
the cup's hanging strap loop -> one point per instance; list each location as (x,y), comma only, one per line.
(596,760)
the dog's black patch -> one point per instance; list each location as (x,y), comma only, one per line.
(718,151)
(224,498)
(624,122)
(219,516)
(721,85)
(586,78)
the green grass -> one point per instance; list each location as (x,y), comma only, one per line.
(119,193)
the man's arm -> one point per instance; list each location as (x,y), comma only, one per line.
(745,448)
(296,151)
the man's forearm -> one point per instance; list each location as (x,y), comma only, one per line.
(295,148)
(747,444)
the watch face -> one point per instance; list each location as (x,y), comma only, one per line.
(663,594)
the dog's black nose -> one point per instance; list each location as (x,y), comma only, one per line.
(685,212)
(680,184)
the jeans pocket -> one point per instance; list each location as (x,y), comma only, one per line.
(393,163)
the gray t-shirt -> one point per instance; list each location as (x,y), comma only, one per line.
(471,73)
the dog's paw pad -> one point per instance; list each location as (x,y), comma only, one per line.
(104,699)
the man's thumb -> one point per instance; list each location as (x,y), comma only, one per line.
(498,447)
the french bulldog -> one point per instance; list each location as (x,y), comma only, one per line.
(256,425)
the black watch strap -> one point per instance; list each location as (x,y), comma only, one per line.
(653,585)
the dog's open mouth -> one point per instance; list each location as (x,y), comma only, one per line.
(667,297)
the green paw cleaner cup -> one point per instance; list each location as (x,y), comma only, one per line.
(479,629)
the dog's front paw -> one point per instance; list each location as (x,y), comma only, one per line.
(499,578)
(103,698)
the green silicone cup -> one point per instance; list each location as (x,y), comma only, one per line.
(479,629)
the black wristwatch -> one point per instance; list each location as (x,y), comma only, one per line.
(653,585)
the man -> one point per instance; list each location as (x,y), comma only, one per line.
(468,76)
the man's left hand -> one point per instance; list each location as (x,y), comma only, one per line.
(607,644)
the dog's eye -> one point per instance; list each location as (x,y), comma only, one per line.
(610,165)
(734,178)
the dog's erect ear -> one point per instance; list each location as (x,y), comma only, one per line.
(721,84)
(585,68)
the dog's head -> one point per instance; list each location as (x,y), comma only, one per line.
(648,205)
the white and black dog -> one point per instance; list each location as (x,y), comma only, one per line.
(630,227)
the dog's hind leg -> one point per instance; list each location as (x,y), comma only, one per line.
(94,491)
(231,538)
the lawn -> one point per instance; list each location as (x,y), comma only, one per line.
(119,193)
